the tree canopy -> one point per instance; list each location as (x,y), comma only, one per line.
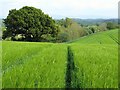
(69,30)
(31,24)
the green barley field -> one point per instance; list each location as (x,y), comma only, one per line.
(88,62)
(35,65)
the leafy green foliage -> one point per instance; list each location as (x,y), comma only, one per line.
(102,27)
(111,25)
(30,23)
(71,29)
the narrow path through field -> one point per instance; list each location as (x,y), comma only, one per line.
(70,68)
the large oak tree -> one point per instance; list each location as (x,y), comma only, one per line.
(31,24)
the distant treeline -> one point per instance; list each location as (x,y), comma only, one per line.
(71,29)
(93,21)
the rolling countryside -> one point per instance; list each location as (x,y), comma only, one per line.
(88,62)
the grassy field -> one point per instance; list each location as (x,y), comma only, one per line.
(106,37)
(96,60)
(33,65)
(88,62)
(96,66)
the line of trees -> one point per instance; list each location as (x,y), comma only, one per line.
(31,24)
(69,30)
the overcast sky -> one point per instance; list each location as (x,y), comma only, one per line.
(66,8)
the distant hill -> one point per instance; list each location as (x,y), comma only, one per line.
(106,37)
(93,21)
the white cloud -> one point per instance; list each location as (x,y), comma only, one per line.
(66,8)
